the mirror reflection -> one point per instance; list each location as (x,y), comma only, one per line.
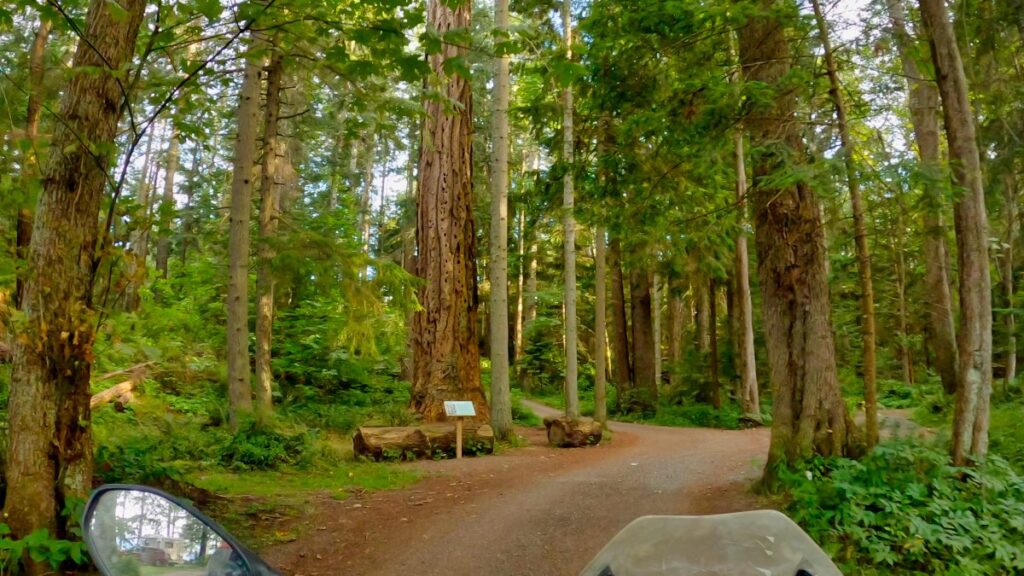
(137,533)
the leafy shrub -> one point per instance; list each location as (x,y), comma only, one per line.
(40,547)
(904,510)
(261,447)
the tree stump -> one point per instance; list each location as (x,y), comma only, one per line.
(568,433)
(424,441)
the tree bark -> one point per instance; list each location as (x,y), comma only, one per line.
(1006,269)
(867,296)
(270,203)
(924,105)
(501,402)
(239,378)
(750,401)
(677,323)
(445,344)
(520,286)
(809,415)
(643,396)
(572,408)
(50,450)
(970,421)
(656,325)
(425,441)
(621,364)
(713,393)
(600,329)
(163,245)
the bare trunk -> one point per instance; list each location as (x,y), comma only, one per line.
(572,408)
(714,391)
(644,395)
(867,296)
(270,204)
(677,323)
(621,364)
(656,315)
(520,285)
(600,329)
(1010,207)
(163,246)
(703,302)
(970,422)
(809,415)
(501,402)
(239,378)
(369,154)
(924,107)
(135,259)
(901,312)
(750,401)
(49,463)
(445,344)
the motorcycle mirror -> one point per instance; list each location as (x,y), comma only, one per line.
(141,531)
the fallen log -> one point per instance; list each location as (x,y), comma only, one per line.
(572,433)
(122,393)
(424,441)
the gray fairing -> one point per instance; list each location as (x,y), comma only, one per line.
(756,543)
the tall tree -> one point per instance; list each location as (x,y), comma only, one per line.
(239,377)
(750,401)
(572,408)
(501,403)
(867,291)
(50,458)
(621,363)
(270,203)
(809,415)
(970,421)
(446,352)
(163,245)
(1006,271)
(600,328)
(924,109)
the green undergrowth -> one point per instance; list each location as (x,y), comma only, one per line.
(903,509)
(687,414)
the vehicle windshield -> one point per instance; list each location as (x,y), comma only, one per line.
(758,543)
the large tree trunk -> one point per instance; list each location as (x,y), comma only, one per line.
(644,394)
(713,393)
(270,202)
(163,245)
(501,402)
(750,401)
(572,408)
(445,344)
(1006,270)
(621,364)
(50,458)
(924,104)
(520,285)
(867,296)
(809,415)
(239,378)
(970,422)
(702,300)
(600,329)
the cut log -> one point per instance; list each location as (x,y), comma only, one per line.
(572,433)
(425,441)
(122,393)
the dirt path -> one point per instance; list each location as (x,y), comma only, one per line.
(529,511)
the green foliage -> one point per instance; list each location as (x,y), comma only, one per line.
(40,546)
(904,510)
(260,447)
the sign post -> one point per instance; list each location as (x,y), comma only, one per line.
(458,409)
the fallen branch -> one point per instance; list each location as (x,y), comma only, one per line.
(124,392)
(131,370)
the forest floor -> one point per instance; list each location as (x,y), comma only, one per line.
(534,510)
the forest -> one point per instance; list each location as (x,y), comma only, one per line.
(236,231)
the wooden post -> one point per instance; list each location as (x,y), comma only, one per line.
(458,439)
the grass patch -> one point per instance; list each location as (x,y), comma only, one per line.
(344,478)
